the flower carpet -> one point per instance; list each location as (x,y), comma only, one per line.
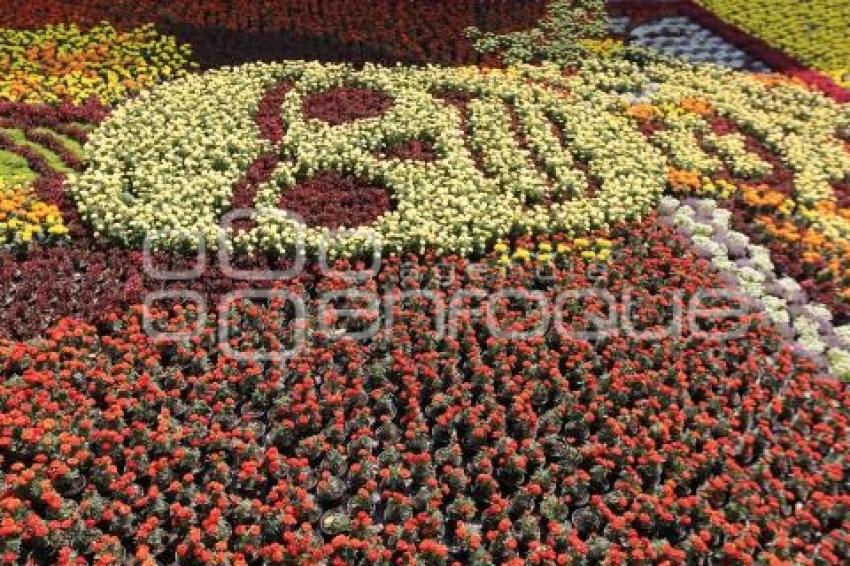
(467,282)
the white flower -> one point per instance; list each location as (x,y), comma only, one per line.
(818,312)
(839,362)
(843,334)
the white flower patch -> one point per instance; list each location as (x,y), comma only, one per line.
(843,335)
(808,323)
(167,163)
(164,165)
(742,163)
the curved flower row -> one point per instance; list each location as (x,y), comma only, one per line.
(750,266)
(448,204)
(809,243)
(63,63)
(41,139)
(515,151)
(410,447)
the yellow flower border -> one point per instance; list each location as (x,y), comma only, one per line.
(815,32)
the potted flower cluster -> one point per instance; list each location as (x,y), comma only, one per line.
(484,450)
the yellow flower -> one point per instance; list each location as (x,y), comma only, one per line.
(87,63)
(522,254)
(501,247)
(589,255)
(581,242)
(544,247)
(787,207)
(26,217)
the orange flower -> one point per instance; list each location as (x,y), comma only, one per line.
(762,196)
(776,79)
(696,105)
(679,178)
(642,111)
(814,239)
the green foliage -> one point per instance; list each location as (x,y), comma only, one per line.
(555,39)
(14,169)
(53,160)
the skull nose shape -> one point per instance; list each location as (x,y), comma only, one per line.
(342,104)
(332,200)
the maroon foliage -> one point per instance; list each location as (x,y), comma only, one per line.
(343,104)
(332,200)
(413,150)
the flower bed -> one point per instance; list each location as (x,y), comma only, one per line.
(554,361)
(491,450)
(434,200)
(62,63)
(814,32)
(24,218)
(751,267)
(531,146)
(355,30)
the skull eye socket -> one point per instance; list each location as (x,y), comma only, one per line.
(340,105)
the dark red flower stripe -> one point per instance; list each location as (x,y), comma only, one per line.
(34,115)
(358,30)
(411,150)
(268,118)
(245,190)
(271,126)
(73,131)
(260,171)
(62,117)
(755,46)
(781,177)
(460,101)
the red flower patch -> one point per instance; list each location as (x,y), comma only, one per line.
(245,190)
(414,448)
(343,104)
(268,117)
(332,200)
